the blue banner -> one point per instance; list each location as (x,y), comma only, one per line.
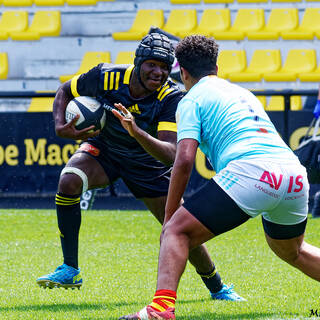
(32,156)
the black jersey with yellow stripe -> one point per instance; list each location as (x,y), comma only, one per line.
(109,83)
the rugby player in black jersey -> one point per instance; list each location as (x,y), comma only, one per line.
(137,144)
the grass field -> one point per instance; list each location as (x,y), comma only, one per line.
(118,258)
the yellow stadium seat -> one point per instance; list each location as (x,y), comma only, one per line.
(263,100)
(141,25)
(246,20)
(296,103)
(12,21)
(276,103)
(44,24)
(286,0)
(218,1)
(41,105)
(317,33)
(48,3)
(297,61)
(262,61)
(89,60)
(212,20)
(81,2)
(310,23)
(180,20)
(4,65)
(230,61)
(280,20)
(125,57)
(252,1)
(313,76)
(17,3)
(185,1)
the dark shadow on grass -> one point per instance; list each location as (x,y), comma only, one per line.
(67,307)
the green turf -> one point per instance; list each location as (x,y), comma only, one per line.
(118,258)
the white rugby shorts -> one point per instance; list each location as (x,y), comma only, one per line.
(278,191)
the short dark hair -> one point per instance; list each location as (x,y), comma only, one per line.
(198,55)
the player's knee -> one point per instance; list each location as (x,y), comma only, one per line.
(72,179)
(70,183)
(171,229)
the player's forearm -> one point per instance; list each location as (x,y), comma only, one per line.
(161,150)
(61,100)
(178,183)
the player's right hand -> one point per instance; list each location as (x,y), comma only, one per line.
(68,131)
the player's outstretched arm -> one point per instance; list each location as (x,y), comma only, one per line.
(63,129)
(163,148)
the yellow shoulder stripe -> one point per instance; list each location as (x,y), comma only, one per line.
(166,93)
(167,126)
(164,88)
(127,74)
(74,86)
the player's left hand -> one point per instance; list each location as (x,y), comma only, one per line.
(126,118)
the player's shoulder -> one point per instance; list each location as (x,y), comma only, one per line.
(170,90)
(115,76)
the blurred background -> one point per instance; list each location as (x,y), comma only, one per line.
(268,46)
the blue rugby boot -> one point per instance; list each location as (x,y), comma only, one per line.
(64,276)
(226,293)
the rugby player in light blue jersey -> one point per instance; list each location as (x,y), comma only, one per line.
(257,174)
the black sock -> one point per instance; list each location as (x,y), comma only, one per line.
(69,221)
(212,280)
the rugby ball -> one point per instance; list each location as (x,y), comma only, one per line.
(90,110)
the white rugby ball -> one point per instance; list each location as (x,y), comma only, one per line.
(90,110)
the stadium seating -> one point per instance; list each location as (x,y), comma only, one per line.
(245,21)
(44,24)
(89,60)
(280,20)
(263,100)
(81,2)
(212,20)
(276,103)
(141,25)
(17,3)
(297,61)
(41,105)
(4,65)
(218,1)
(310,23)
(48,3)
(262,61)
(252,1)
(313,76)
(187,21)
(125,57)
(291,1)
(231,61)
(12,21)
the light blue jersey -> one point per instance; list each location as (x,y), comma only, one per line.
(229,123)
